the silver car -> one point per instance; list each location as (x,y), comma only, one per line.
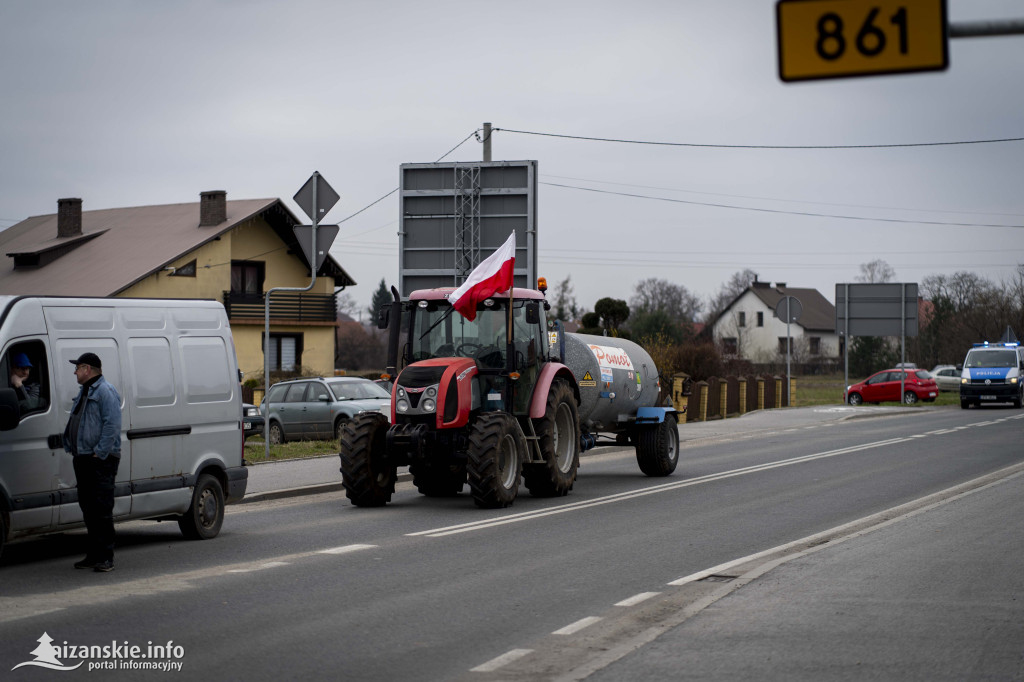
(317,408)
(947,377)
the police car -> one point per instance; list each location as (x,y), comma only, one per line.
(992,374)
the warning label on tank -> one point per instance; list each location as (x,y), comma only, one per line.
(588,380)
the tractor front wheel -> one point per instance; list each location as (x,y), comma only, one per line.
(495,460)
(369,481)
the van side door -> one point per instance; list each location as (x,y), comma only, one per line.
(30,456)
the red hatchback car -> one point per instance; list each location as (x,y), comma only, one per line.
(884,387)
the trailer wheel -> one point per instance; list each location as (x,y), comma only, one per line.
(494,464)
(205,515)
(438,479)
(657,448)
(558,433)
(368,480)
(3,533)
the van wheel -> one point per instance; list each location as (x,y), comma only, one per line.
(276,434)
(205,516)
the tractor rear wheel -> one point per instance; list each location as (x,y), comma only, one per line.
(558,434)
(495,460)
(368,480)
(657,448)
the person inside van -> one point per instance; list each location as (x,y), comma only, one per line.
(28,392)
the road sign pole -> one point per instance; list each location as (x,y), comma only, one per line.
(313,208)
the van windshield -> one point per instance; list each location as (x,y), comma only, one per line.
(991,358)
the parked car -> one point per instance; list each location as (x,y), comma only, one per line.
(947,377)
(884,386)
(252,421)
(316,408)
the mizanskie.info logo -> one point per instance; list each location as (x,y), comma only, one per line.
(113,656)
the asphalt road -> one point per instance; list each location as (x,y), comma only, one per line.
(754,560)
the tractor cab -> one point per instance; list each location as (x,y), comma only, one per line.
(507,359)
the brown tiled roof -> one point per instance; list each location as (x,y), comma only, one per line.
(119,247)
(817,314)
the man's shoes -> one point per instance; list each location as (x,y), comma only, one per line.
(104,566)
(85,563)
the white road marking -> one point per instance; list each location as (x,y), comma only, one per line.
(345,549)
(501,661)
(269,564)
(573,628)
(651,490)
(637,598)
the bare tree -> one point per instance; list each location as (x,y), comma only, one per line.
(876,272)
(659,295)
(729,291)
(564,305)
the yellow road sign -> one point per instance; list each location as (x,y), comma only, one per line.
(839,38)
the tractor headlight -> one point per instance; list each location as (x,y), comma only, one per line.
(402,405)
(432,391)
(429,405)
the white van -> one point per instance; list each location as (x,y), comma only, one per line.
(173,363)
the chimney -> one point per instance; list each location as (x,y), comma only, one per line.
(69,217)
(213,207)
(780,285)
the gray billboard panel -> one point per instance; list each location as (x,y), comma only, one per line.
(454,215)
(877,309)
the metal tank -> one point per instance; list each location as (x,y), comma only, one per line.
(615,376)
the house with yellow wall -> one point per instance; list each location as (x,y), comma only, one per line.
(229,251)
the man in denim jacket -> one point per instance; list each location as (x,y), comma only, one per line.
(93,437)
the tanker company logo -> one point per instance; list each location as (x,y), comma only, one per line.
(613,358)
(113,656)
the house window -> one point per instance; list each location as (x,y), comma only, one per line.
(285,352)
(729,345)
(186,270)
(760,319)
(815,345)
(247,278)
(782,345)
(743,319)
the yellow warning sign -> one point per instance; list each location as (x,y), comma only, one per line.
(588,380)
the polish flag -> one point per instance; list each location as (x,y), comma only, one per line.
(492,275)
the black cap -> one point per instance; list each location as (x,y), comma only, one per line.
(90,359)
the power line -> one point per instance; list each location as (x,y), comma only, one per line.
(760,146)
(775,210)
(797,201)
(396,189)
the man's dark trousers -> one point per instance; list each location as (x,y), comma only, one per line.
(96,498)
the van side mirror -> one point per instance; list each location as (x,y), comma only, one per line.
(532,313)
(10,413)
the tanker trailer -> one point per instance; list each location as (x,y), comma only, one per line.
(618,389)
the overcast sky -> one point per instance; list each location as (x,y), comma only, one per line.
(137,103)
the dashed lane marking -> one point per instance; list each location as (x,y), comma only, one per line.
(573,628)
(637,598)
(501,661)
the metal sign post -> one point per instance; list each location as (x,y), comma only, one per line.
(790,308)
(316,198)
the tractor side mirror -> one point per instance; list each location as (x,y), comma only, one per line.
(383,316)
(532,313)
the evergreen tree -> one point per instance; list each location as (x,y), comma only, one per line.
(381,298)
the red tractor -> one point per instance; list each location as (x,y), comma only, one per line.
(476,401)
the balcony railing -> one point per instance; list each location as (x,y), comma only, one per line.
(284,305)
